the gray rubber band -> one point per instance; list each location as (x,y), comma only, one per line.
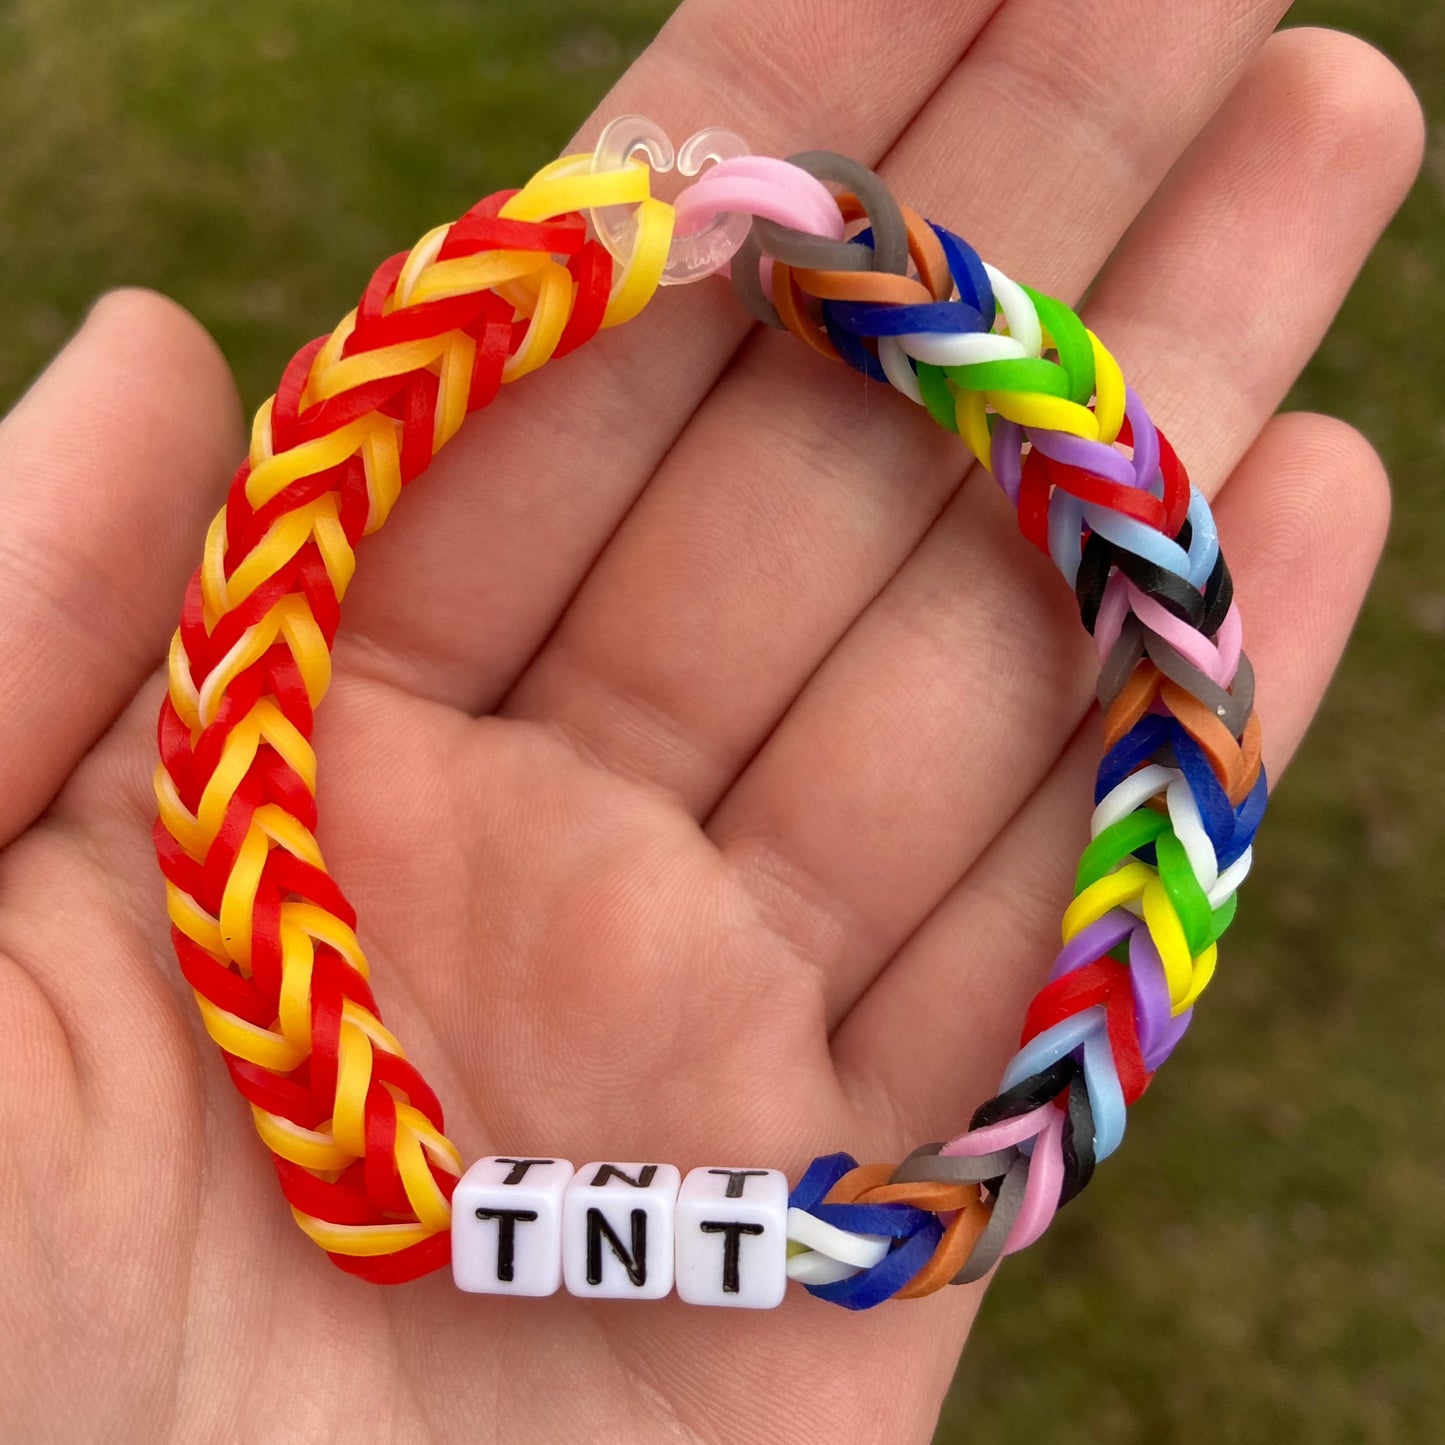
(820,253)
(934,1167)
(989,1249)
(1232,708)
(885,216)
(1119,666)
(748,284)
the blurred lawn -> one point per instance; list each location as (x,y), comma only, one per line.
(1266,1260)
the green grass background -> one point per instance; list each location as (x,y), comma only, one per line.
(1267,1260)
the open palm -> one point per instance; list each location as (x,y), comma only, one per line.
(705,759)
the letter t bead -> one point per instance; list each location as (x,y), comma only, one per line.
(732,1238)
(507,1226)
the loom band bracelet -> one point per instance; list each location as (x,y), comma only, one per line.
(1139,485)
(971,310)
(958,1208)
(1103,591)
(765,189)
(850,325)
(1215,651)
(1233,763)
(567,186)
(797,212)
(977,365)
(874,289)
(973,287)
(1223,779)
(1230,827)
(1029,1191)
(1142,518)
(1123,826)
(862,196)
(1227,692)
(1084,1031)
(857,267)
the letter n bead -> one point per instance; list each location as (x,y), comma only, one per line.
(507,1226)
(617,1234)
(732,1245)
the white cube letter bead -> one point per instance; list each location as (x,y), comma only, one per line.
(507,1226)
(617,1230)
(732,1239)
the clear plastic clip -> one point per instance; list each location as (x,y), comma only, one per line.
(690,257)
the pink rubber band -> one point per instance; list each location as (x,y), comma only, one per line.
(1218,659)
(1003,1135)
(1045,1184)
(759,186)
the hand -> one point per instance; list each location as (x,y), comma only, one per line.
(707,763)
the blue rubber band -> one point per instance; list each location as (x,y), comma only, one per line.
(1204,538)
(969,274)
(1051,1045)
(1135,748)
(819,1177)
(851,348)
(880,318)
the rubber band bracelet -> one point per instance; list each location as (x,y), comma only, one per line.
(265,937)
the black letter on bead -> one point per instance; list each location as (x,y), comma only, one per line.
(733,1233)
(507,1220)
(635,1263)
(737,1180)
(518,1172)
(611,1171)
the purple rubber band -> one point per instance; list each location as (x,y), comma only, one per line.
(1092,943)
(1045,1183)
(1150,984)
(1006,456)
(1098,459)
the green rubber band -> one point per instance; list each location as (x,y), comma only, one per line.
(1071,341)
(1222,918)
(1115,844)
(1190,901)
(933,387)
(1025,373)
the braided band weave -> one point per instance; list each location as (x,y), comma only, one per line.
(266,938)
(264,935)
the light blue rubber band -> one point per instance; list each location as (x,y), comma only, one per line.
(1051,1045)
(1204,539)
(1106,1097)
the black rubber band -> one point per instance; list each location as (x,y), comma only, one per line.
(1078,1142)
(1027,1095)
